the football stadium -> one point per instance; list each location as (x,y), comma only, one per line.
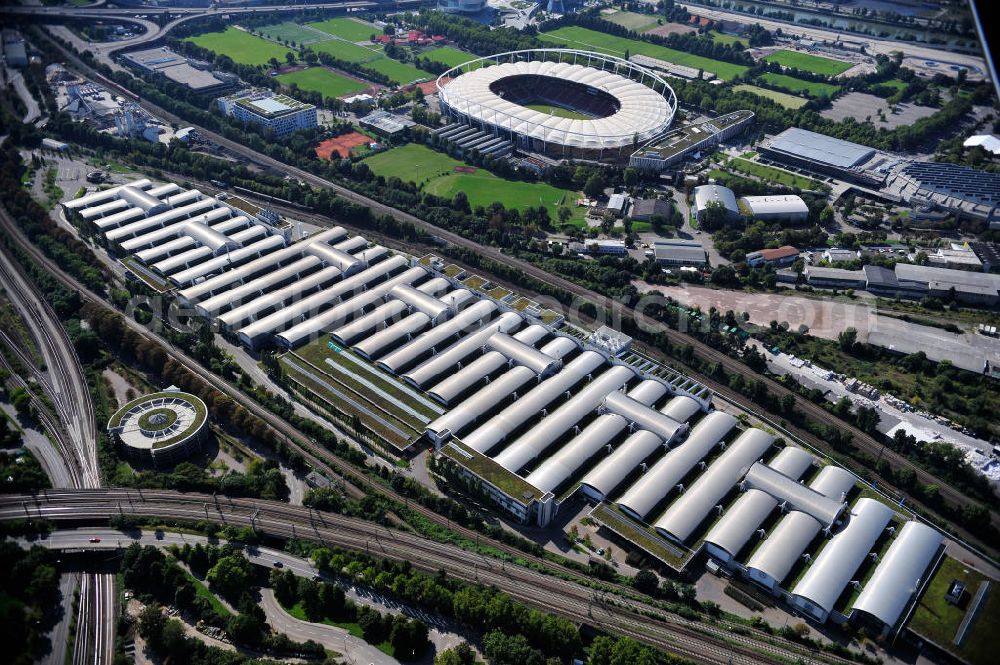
(562,103)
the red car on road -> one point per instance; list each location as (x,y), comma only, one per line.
(95,539)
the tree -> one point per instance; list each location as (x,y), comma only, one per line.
(646,582)
(244,629)
(847,339)
(826,216)
(503,649)
(630,177)
(408,638)
(231,576)
(565,214)
(460,655)
(715,216)
(594,187)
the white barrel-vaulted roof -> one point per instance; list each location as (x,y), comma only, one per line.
(774,558)
(899,574)
(691,508)
(663,476)
(734,529)
(643,112)
(475,372)
(826,578)
(565,461)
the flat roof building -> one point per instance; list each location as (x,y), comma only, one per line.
(179,69)
(825,154)
(680,254)
(385,123)
(677,144)
(279,113)
(961,190)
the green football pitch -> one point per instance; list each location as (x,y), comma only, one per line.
(809,63)
(323,81)
(241,46)
(449,56)
(574,36)
(347,28)
(438,176)
(813,88)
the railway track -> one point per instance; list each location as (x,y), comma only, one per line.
(74,433)
(708,643)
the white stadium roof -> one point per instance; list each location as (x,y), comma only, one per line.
(643,112)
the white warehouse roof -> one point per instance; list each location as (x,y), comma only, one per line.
(738,523)
(773,560)
(496,429)
(899,574)
(706,194)
(690,509)
(826,578)
(785,205)
(551,427)
(486,398)
(564,462)
(445,390)
(663,476)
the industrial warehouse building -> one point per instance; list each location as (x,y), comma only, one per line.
(706,194)
(907,280)
(680,253)
(959,190)
(824,154)
(533,413)
(784,207)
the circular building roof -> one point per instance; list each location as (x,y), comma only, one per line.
(159,420)
(639,112)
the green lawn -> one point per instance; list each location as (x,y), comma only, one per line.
(813,88)
(449,56)
(558,111)
(353,628)
(783,98)
(938,620)
(437,174)
(633,20)
(242,47)
(347,28)
(398,72)
(323,81)
(577,37)
(772,174)
(347,51)
(809,63)
(720,38)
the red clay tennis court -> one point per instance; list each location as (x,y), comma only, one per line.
(342,145)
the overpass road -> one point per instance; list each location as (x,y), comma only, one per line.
(702,642)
